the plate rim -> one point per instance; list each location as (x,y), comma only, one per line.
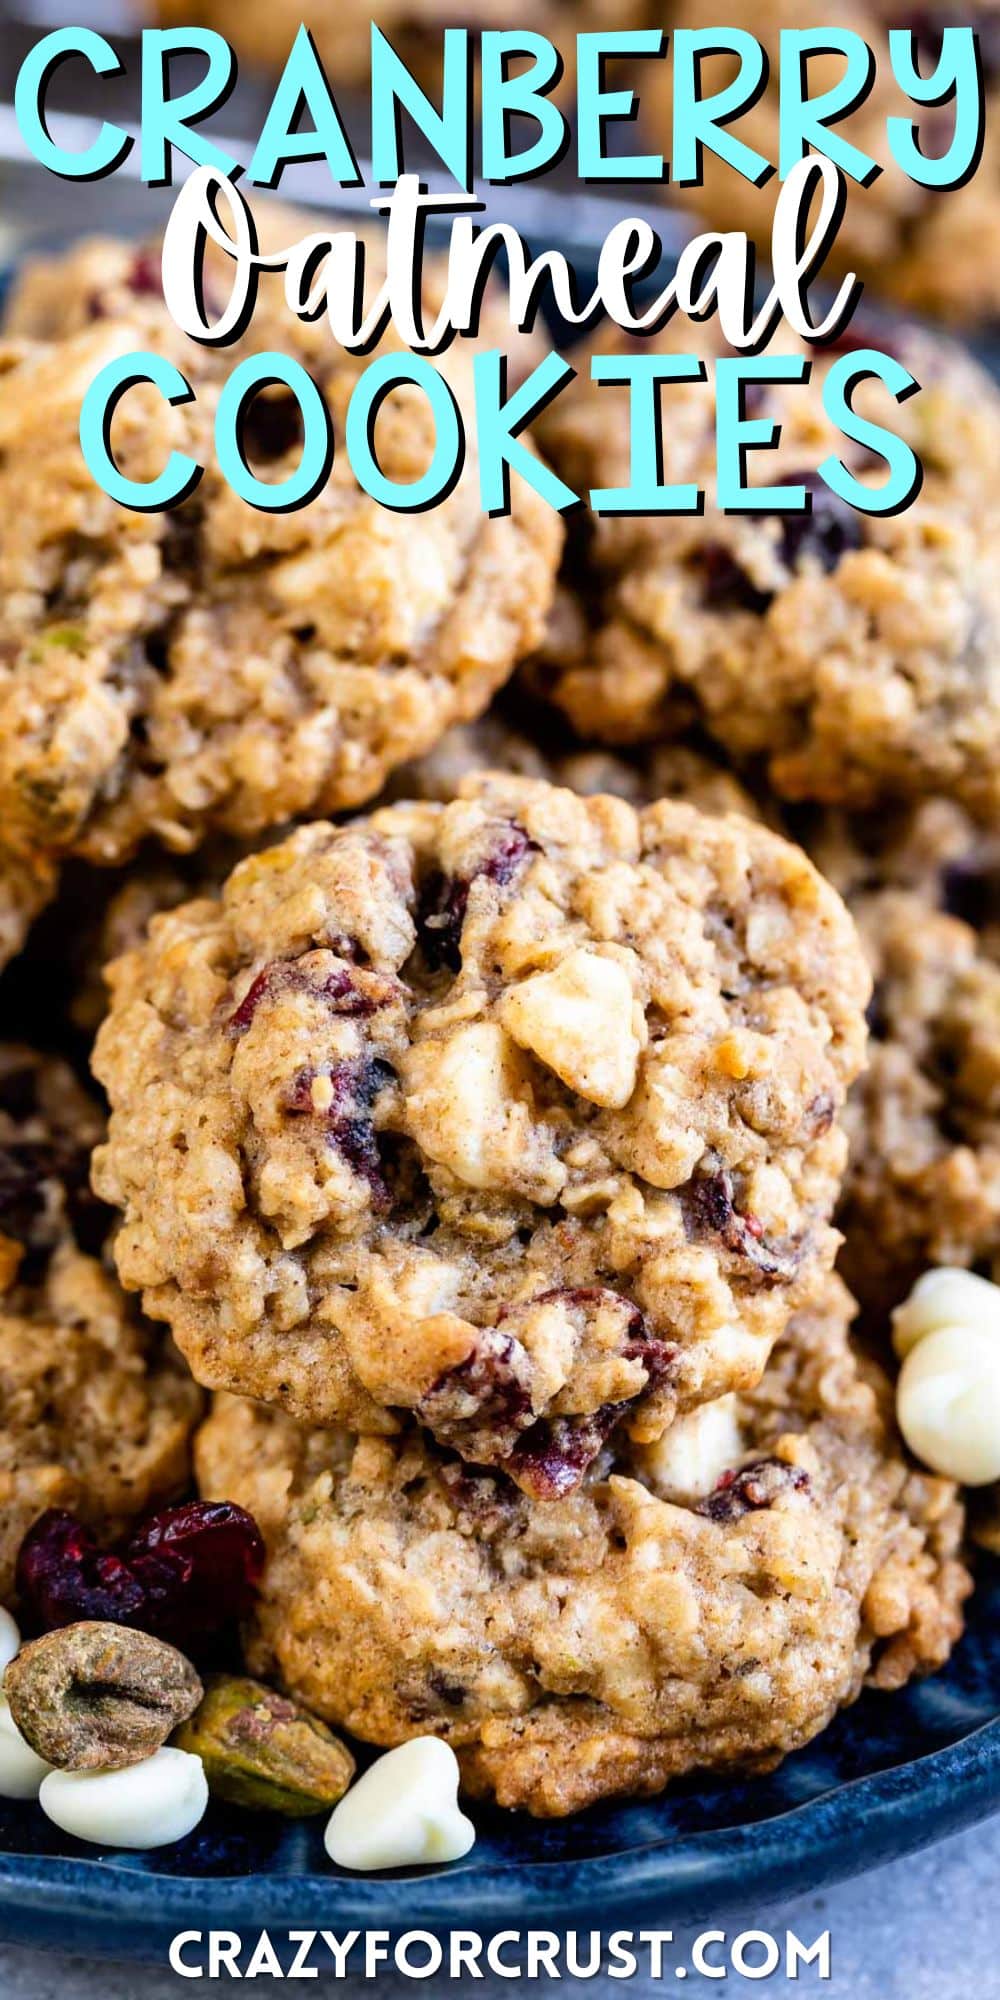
(114,1909)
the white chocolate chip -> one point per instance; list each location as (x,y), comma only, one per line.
(583,1022)
(10,1639)
(403,1812)
(945,1296)
(948,1402)
(468,1106)
(148,1805)
(21,1769)
(689,1459)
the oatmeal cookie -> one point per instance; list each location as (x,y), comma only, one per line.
(852,657)
(520,1113)
(923,1181)
(607,1642)
(93,1417)
(160,882)
(935,252)
(682,770)
(217,668)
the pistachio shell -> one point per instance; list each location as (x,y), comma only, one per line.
(262,1751)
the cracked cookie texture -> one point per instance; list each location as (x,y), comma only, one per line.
(850,658)
(217,668)
(94,1416)
(923,1179)
(609,1641)
(520,1113)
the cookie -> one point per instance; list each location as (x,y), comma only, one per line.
(850,658)
(93,1416)
(610,1641)
(216,668)
(520,1113)
(923,1181)
(157,882)
(935,252)
(682,770)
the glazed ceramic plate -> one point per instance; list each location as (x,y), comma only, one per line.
(893,1773)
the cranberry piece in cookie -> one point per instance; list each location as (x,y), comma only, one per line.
(849,655)
(597,1636)
(553,1154)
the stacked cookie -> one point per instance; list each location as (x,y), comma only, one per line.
(480,1138)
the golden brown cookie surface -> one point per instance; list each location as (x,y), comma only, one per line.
(217,667)
(607,1642)
(520,1113)
(851,657)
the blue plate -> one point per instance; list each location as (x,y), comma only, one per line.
(893,1773)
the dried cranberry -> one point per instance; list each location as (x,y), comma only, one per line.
(199,1565)
(970,889)
(485,1401)
(552,1458)
(353,1087)
(445,899)
(143,277)
(479,1492)
(709,1210)
(824,534)
(657,1356)
(272,427)
(753,1487)
(184,1572)
(62,1576)
(725,584)
(340,991)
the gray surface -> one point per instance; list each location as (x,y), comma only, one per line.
(923,1929)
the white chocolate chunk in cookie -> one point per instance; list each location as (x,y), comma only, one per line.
(582,1021)
(688,1461)
(468,1106)
(947,1334)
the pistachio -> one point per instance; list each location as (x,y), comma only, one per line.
(98,1697)
(262,1751)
